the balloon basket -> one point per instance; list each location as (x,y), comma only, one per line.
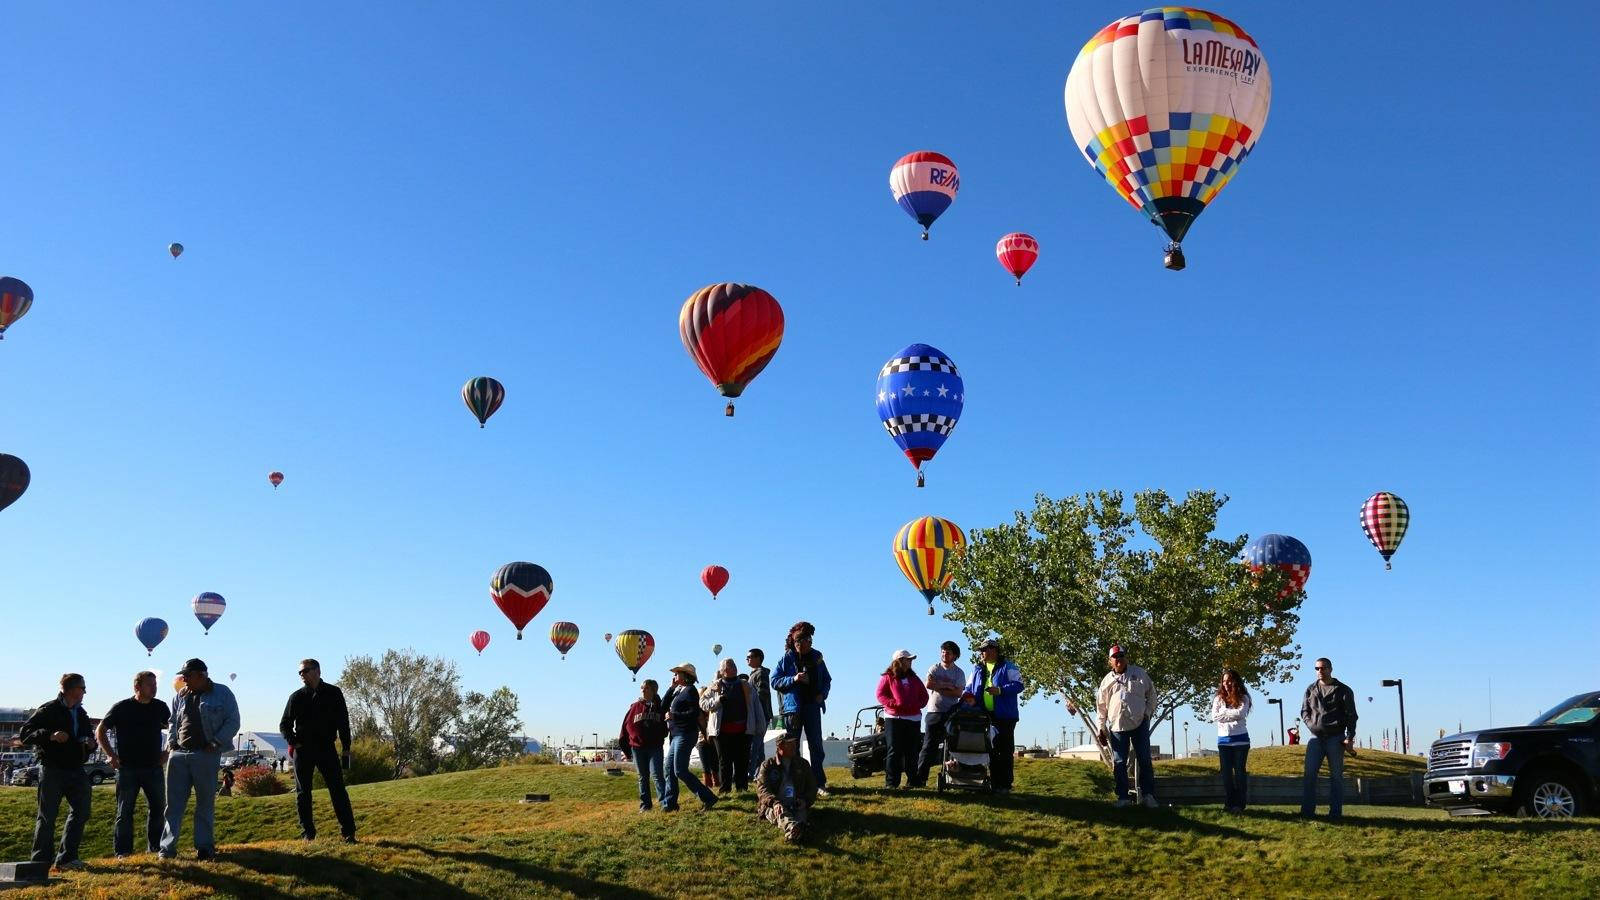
(1174,258)
(921,479)
(480,426)
(1388,567)
(519,635)
(930,609)
(728,411)
(1019,281)
(924,235)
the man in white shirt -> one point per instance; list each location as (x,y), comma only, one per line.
(1124,701)
(945,683)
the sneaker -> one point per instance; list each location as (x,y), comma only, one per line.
(166,855)
(822,792)
(206,855)
(348,838)
(1151,802)
(667,809)
(71,865)
(644,807)
(307,837)
(1122,803)
(708,803)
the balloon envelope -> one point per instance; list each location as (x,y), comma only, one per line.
(16,298)
(1284,553)
(1165,105)
(14,479)
(731,331)
(564,635)
(521,589)
(176,250)
(483,395)
(924,184)
(276,478)
(716,649)
(1385,518)
(924,549)
(1017,253)
(634,647)
(608,637)
(715,578)
(480,640)
(208,608)
(150,632)
(920,398)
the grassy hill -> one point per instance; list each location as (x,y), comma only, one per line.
(466,835)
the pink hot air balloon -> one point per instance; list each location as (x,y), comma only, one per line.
(480,640)
(715,578)
(1017,252)
(276,478)
(608,637)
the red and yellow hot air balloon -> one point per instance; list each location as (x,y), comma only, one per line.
(634,647)
(715,578)
(1017,253)
(564,635)
(480,640)
(924,549)
(732,331)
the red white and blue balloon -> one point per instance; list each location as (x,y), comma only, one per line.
(1284,553)
(924,183)
(208,608)
(920,398)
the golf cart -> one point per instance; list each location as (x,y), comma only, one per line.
(869,746)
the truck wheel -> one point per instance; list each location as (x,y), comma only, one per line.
(860,771)
(97,778)
(1548,795)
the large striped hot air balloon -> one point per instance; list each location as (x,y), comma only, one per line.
(564,635)
(924,549)
(483,395)
(150,632)
(1165,105)
(634,648)
(920,398)
(1017,253)
(732,331)
(521,589)
(924,183)
(15,300)
(1385,518)
(14,479)
(479,640)
(208,608)
(1284,553)
(715,578)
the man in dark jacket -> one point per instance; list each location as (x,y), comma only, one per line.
(314,716)
(761,686)
(138,756)
(61,734)
(683,727)
(1329,712)
(644,728)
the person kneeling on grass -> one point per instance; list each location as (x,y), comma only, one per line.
(785,789)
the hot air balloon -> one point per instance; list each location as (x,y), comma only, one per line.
(608,637)
(150,633)
(175,249)
(920,397)
(715,578)
(14,479)
(480,640)
(15,300)
(924,183)
(521,589)
(732,331)
(178,684)
(1017,252)
(233,676)
(564,635)
(925,548)
(716,649)
(634,648)
(483,395)
(208,608)
(1385,518)
(1281,552)
(276,478)
(1166,104)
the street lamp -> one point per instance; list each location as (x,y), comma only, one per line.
(1399,684)
(1278,702)
(1186,739)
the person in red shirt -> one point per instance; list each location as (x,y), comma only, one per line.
(644,728)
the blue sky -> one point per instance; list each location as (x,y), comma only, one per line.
(381,202)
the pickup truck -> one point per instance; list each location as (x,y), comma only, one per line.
(1549,768)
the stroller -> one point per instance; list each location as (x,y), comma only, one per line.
(869,746)
(966,731)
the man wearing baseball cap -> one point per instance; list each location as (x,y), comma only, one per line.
(205,717)
(997,682)
(1124,701)
(786,789)
(682,704)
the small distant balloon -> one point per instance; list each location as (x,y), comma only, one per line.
(1017,253)
(563,635)
(480,640)
(483,395)
(175,249)
(1385,518)
(277,478)
(233,676)
(208,608)
(608,637)
(715,578)
(14,479)
(15,300)
(716,649)
(150,632)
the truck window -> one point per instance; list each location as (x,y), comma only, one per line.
(1572,711)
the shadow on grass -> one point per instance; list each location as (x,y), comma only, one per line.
(577,884)
(349,877)
(831,822)
(1443,824)
(1096,812)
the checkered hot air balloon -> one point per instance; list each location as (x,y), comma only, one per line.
(1385,518)
(483,395)
(479,640)
(634,648)
(924,549)
(16,298)
(150,632)
(924,183)
(732,331)
(521,589)
(1284,553)
(920,398)
(1017,253)
(715,578)
(208,608)
(564,635)
(1166,105)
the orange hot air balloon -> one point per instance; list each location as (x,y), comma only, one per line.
(732,331)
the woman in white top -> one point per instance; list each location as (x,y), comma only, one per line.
(1229,709)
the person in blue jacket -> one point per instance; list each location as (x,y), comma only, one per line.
(998,681)
(802,680)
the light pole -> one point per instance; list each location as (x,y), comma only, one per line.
(1278,702)
(1399,684)
(1186,739)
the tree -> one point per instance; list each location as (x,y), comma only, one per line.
(486,730)
(407,699)
(1059,585)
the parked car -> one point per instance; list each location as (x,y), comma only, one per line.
(1549,768)
(869,746)
(99,772)
(25,776)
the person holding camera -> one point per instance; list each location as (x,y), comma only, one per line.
(61,734)
(785,789)
(803,680)
(315,715)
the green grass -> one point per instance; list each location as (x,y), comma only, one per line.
(1291,761)
(464,834)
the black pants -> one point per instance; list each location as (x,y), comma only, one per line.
(932,744)
(57,784)
(733,761)
(326,760)
(904,738)
(1003,758)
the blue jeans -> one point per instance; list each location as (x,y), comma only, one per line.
(679,747)
(1234,780)
(195,771)
(1140,739)
(56,784)
(1316,749)
(758,751)
(649,761)
(130,782)
(809,720)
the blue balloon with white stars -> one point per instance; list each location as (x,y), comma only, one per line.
(920,397)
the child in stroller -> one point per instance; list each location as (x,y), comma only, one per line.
(967,743)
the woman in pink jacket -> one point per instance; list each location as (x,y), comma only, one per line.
(903,697)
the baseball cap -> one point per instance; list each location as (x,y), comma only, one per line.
(990,644)
(193,666)
(904,654)
(1116,650)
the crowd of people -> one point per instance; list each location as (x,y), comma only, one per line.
(199,726)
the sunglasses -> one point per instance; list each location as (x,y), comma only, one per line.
(1320,668)
(307,671)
